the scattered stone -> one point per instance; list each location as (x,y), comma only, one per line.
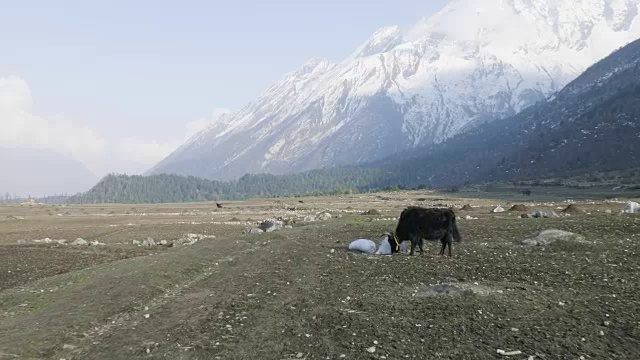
(189,239)
(163,242)
(467,217)
(573,210)
(299,355)
(288,227)
(453,289)
(68,347)
(136,242)
(252,230)
(79,241)
(608,211)
(372,212)
(519,207)
(62,242)
(97,243)
(539,214)
(324,216)
(467,207)
(309,218)
(22,241)
(498,209)
(271,225)
(632,207)
(371,350)
(549,236)
(149,242)
(15,217)
(509,353)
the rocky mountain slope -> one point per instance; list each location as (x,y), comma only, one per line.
(476,60)
(593,124)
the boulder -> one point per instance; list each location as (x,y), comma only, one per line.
(467,207)
(252,230)
(309,218)
(149,242)
(549,236)
(324,216)
(538,214)
(271,225)
(632,207)
(79,241)
(372,212)
(498,209)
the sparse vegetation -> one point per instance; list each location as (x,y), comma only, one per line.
(298,291)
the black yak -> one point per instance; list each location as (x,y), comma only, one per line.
(417,224)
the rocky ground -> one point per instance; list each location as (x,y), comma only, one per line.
(193,281)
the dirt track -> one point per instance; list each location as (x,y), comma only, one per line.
(298,293)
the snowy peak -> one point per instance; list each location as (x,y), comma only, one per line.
(381,41)
(314,65)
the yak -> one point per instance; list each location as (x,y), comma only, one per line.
(417,224)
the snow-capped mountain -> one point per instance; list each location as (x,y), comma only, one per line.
(473,61)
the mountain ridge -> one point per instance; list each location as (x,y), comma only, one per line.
(474,61)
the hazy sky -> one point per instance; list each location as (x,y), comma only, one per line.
(120,84)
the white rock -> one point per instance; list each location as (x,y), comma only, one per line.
(79,241)
(324,216)
(548,236)
(509,353)
(632,207)
(371,350)
(498,209)
(149,242)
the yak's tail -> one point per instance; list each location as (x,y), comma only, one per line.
(456,234)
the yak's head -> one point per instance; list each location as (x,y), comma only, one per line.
(393,241)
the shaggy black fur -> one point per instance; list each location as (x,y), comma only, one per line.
(417,224)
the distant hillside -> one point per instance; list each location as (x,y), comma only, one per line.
(166,188)
(41,172)
(591,126)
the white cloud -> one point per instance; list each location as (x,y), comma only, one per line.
(20,127)
(145,153)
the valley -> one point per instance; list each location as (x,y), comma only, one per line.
(298,293)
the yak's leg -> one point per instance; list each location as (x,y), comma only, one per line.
(450,242)
(413,247)
(420,243)
(444,245)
